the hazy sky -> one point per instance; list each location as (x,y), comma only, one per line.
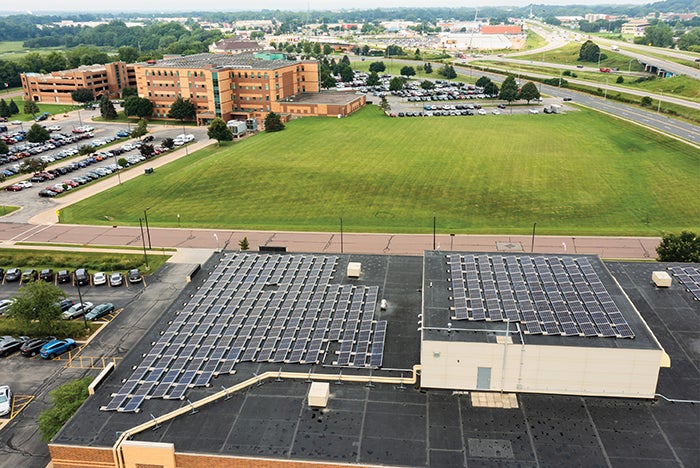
(203,5)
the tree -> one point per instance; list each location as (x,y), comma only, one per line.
(427,84)
(122,162)
(82,95)
(589,52)
(408,71)
(219,131)
(128,54)
(243,244)
(620,79)
(373,79)
(428,68)
(84,150)
(448,71)
(509,89)
(168,143)
(146,151)
(4,109)
(679,248)
(37,301)
(31,107)
(128,92)
(140,130)
(4,149)
(491,89)
(483,81)
(660,35)
(529,92)
(32,165)
(13,108)
(384,104)
(66,400)
(37,134)
(327,49)
(646,101)
(273,123)
(377,67)
(107,109)
(139,107)
(182,109)
(396,83)
(346,74)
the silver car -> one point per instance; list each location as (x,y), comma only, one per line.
(5,400)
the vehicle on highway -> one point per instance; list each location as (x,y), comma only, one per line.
(99,279)
(33,346)
(56,347)
(46,275)
(135,276)
(29,275)
(567,99)
(5,400)
(77,310)
(501,106)
(100,311)
(82,277)
(11,344)
(13,274)
(533,111)
(63,276)
(116,279)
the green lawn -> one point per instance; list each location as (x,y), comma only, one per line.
(579,173)
(50,108)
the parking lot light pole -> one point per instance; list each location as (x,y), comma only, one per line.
(80,298)
(143,239)
(658,108)
(148,231)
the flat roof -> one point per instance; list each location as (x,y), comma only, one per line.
(409,426)
(221,61)
(441,322)
(324,97)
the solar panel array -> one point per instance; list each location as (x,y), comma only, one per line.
(689,277)
(547,295)
(265,308)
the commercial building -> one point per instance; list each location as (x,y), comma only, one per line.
(235,87)
(56,87)
(408,373)
(234,45)
(635,27)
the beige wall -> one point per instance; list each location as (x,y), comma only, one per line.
(542,369)
(138,454)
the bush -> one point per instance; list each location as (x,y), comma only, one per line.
(66,400)
(59,328)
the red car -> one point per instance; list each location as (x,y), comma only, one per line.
(13,188)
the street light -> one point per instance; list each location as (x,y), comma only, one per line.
(148,231)
(80,298)
(629,66)
(434,222)
(217,242)
(658,109)
(599,54)
(341,235)
(143,239)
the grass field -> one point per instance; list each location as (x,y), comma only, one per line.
(579,173)
(568,55)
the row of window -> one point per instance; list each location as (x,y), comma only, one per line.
(174,85)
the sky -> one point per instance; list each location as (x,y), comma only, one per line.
(40,6)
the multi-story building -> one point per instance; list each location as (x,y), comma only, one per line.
(56,87)
(635,27)
(235,87)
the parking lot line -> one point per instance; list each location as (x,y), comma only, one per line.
(19,402)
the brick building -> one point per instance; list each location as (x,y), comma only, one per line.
(56,87)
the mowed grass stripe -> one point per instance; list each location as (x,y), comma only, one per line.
(579,173)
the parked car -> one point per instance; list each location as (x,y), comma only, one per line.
(13,274)
(5,400)
(63,276)
(100,311)
(56,347)
(29,275)
(82,277)
(135,276)
(99,279)
(5,305)
(65,304)
(33,346)
(533,111)
(9,346)
(116,279)
(46,275)
(77,310)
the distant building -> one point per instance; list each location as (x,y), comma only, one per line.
(56,87)
(635,27)
(593,17)
(501,29)
(234,45)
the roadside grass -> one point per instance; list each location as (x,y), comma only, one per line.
(70,260)
(568,55)
(534,40)
(122,118)
(581,173)
(58,328)
(53,109)
(7,209)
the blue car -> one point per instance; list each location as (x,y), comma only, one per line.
(56,347)
(123,133)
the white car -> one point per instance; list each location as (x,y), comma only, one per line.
(5,400)
(533,111)
(99,279)
(24,184)
(16,122)
(115,279)
(5,305)
(496,112)
(481,112)
(77,310)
